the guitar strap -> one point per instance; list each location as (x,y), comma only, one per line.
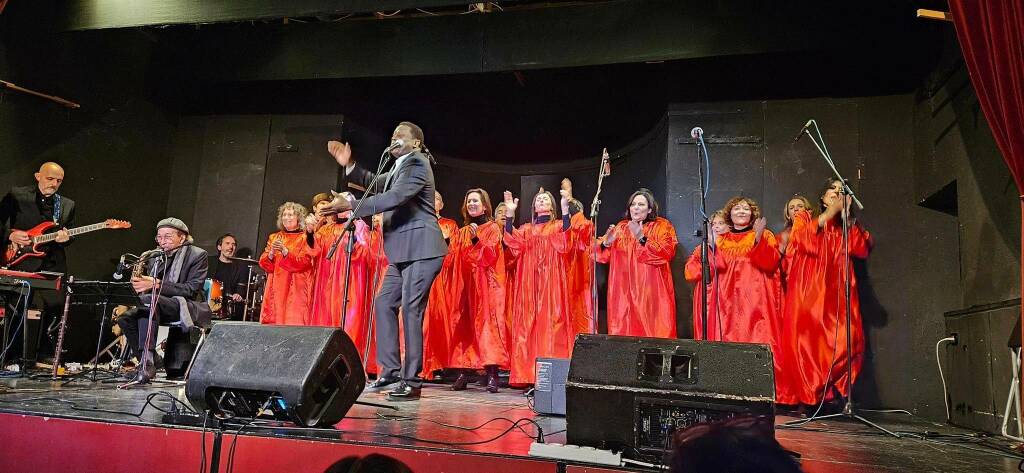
(56,208)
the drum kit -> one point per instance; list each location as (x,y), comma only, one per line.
(250,290)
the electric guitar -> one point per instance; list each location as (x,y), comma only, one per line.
(16,253)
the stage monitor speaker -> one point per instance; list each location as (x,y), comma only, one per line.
(631,393)
(308,375)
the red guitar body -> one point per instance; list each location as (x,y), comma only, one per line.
(15,254)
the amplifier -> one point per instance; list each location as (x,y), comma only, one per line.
(631,393)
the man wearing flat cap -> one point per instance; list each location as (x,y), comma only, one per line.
(176,276)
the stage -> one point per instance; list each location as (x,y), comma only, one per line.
(88,426)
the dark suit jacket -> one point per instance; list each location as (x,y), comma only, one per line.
(411,231)
(189,283)
(19,210)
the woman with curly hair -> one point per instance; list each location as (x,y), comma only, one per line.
(289,268)
(749,289)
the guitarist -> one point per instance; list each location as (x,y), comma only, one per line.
(25,207)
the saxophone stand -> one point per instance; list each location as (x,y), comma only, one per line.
(595,206)
(849,411)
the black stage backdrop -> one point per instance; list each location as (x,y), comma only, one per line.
(939,199)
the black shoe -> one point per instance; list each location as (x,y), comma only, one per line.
(461,382)
(492,378)
(382,384)
(404,392)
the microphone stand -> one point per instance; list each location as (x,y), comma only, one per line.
(705,266)
(154,300)
(594,207)
(849,411)
(350,231)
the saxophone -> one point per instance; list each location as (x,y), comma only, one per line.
(141,264)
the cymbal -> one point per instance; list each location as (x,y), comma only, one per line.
(243,259)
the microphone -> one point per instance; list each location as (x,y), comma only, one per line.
(697,132)
(802,130)
(606,164)
(395,145)
(119,272)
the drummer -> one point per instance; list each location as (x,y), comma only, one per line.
(232,273)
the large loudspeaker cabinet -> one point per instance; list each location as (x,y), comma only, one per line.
(626,393)
(309,375)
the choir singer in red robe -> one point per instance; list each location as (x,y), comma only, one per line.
(329,288)
(540,306)
(580,265)
(289,270)
(749,289)
(480,336)
(641,296)
(815,305)
(693,273)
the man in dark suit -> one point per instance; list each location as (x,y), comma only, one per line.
(25,207)
(414,247)
(177,277)
(22,209)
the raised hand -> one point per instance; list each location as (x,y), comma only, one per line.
(311,223)
(759,226)
(637,228)
(278,247)
(338,205)
(610,235)
(510,204)
(566,195)
(342,152)
(472,230)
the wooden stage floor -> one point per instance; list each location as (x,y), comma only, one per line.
(89,426)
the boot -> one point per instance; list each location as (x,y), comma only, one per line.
(492,378)
(461,382)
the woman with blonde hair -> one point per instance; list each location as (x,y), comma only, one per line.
(541,325)
(286,259)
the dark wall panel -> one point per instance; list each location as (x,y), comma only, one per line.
(234,157)
(298,165)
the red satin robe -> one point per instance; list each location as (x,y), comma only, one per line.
(693,274)
(749,290)
(641,296)
(580,266)
(328,290)
(815,310)
(474,319)
(436,332)
(448,226)
(540,306)
(289,281)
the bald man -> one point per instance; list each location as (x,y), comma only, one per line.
(23,208)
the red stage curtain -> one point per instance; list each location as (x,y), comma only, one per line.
(991,34)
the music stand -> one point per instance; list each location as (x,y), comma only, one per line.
(102,293)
